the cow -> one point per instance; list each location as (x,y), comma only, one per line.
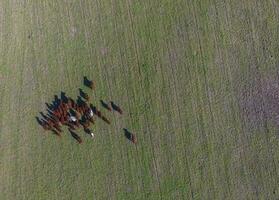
(134,139)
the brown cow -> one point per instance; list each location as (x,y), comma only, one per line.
(134,139)
(105,119)
(130,136)
(92,85)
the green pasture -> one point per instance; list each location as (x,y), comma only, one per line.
(184,73)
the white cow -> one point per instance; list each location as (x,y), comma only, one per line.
(72,118)
(91,113)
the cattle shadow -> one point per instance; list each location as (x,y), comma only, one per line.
(55,132)
(83,94)
(52,117)
(45,117)
(49,106)
(130,136)
(95,110)
(80,101)
(87,82)
(39,121)
(116,107)
(63,96)
(56,101)
(105,105)
(49,111)
(105,119)
(75,136)
(87,131)
(127,134)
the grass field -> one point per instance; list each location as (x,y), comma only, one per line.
(193,78)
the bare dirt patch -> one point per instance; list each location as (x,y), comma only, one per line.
(259,100)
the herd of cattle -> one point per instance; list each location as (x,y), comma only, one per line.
(77,114)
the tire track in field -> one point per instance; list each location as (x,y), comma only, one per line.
(32,62)
(172,124)
(137,57)
(224,63)
(172,113)
(127,152)
(134,94)
(194,8)
(213,121)
(116,125)
(177,96)
(112,187)
(129,104)
(13,102)
(188,71)
(34,21)
(160,69)
(20,110)
(122,63)
(177,109)
(206,81)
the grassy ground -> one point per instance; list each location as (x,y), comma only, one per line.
(183,72)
